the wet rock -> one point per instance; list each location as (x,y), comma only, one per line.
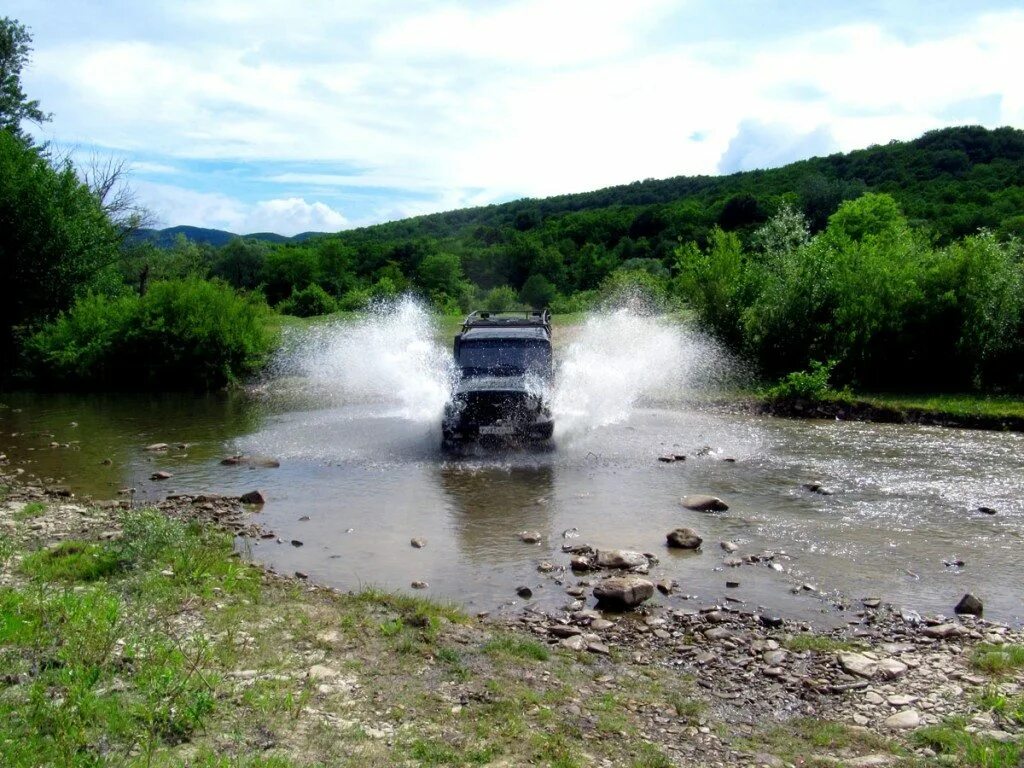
(564,630)
(545,567)
(301,575)
(581,563)
(530,537)
(732,584)
(599,625)
(908,718)
(871,602)
(296,543)
(986,510)
(728,546)
(419,585)
(161,475)
(524,592)
(970,605)
(771,622)
(668,458)
(684,538)
(817,488)
(253,497)
(703,503)
(157,447)
(250,461)
(623,591)
(666,586)
(417,543)
(619,558)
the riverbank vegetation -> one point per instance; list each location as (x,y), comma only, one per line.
(896,268)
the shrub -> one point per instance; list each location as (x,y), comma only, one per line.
(308,302)
(189,334)
(805,385)
(500,299)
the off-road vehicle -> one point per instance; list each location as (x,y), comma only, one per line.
(504,368)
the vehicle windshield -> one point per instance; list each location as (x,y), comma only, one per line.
(505,356)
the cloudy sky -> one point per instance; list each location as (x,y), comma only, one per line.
(256,115)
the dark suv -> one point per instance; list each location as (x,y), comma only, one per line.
(505,368)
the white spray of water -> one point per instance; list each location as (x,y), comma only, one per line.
(393,357)
(390,357)
(620,358)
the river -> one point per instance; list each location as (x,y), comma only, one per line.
(351,413)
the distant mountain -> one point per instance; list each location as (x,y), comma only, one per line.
(164,238)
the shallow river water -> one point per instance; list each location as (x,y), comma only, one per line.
(361,474)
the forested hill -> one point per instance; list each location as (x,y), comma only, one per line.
(953,181)
(164,238)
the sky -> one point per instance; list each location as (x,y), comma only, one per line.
(262,115)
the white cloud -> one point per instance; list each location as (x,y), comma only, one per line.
(504,99)
(286,216)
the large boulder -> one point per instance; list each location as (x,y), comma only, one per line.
(623,591)
(970,605)
(684,538)
(619,558)
(704,503)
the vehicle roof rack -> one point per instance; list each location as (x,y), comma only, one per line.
(500,319)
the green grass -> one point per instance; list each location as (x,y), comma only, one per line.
(72,561)
(517,647)
(819,643)
(961,405)
(803,740)
(30,510)
(970,750)
(998,659)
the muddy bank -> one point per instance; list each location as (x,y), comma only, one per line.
(859,410)
(368,678)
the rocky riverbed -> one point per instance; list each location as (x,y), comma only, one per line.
(715,684)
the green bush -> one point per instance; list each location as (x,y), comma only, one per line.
(804,385)
(308,302)
(188,334)
(500,299)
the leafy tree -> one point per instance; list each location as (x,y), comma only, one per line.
(440,274)
(871,214)
(55,240)
(15,106)
(241,263)
(500,299)
(537,292)
(308,302)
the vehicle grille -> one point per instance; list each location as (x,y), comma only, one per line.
(489,407)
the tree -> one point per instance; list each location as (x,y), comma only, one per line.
(56,242)
(15,106)
(440,273)
(537,292)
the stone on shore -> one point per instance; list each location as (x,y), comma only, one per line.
(161,475)
(858,664)
(253,497)
(250,461)
(623,591)
(703,503)
(684,538)
(908,718)
(530,537)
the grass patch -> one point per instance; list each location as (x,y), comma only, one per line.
(72,561)
(411,606)
(30,510)
(962,405)
(687,708)
(970,750)
(517,647)
(998,659)
(819,644)
(801,740)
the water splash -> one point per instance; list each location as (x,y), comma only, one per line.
(390,357)
(623,357)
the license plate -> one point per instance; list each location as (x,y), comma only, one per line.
(500,429)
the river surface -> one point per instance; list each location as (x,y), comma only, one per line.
(361,474)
